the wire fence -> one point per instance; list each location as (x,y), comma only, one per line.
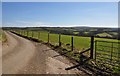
(106,54)
(72,45)
(79,43)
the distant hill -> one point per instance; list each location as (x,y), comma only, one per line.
(78,31)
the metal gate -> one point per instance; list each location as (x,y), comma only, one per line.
(107,55)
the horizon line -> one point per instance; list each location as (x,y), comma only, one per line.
(54,26)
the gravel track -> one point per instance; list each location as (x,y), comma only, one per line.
(21,56)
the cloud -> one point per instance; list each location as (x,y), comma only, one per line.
(20,23)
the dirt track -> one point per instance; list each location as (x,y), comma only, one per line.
(21,56)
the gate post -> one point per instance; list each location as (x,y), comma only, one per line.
(59,39)
(39,35)
(27,33)
(72,43)
(48,37)
(32,34)
(92,47)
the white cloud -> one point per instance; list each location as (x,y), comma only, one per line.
(20,23)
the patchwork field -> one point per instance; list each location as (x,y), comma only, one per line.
(104,35)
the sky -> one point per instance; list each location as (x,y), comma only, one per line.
(59,14)
(60,0)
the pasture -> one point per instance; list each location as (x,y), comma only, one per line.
(79,41)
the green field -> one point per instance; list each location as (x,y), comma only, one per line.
(104,35)
(114,33)
(76,32)
(79,42)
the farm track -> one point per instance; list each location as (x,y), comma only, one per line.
(21,56)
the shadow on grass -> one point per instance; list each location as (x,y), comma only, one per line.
(84,66)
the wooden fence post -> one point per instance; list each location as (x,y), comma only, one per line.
(72,43)
(48,37)
(32,34)
(59,39)
(92,47)
(27,33)
(39,35)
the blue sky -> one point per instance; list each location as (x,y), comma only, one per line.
(28,14)
(60,0)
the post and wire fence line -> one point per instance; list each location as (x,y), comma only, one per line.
(60,40)
(100,51)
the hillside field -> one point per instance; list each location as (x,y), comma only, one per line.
(79,41)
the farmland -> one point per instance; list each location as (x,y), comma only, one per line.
(110,33)
(106,49)
(79,41)
(104,35)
